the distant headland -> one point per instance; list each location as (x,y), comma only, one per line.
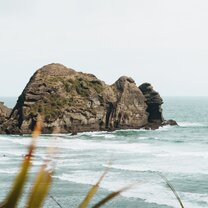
(73,102)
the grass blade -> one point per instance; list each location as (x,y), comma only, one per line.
(92,191)
(38,127)
(40,188)
(111,196)
(172,189)
(16,191)
(55,201)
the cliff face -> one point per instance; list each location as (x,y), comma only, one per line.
(154,107)
(154,102)
(75,102)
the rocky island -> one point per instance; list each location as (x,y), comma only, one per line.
(78,102)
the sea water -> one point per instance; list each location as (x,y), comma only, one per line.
(139,157)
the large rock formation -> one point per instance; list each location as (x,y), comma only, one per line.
(154,109)
(75,102)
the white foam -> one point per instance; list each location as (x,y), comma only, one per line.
(92,133)
(9,153)
(165,165)
(110,136)
(164,128)
(3,138)
(37,163)
(183,154)
(151,191)
(192,124)
(9,161)
(158,193)
(134,130)
(9,171)
(81,144)
(195,198)
(22,141)
(148,138)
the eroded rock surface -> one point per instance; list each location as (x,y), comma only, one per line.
(72,102)
(75,102)
(154,107)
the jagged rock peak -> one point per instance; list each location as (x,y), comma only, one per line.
(154,107)
(154,102)
(55,69)
(150,94)
(122,81)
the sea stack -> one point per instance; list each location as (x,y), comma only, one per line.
(77,102)
(154,107)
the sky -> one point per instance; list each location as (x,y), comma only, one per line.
(163,42)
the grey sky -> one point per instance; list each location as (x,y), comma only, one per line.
(164,42)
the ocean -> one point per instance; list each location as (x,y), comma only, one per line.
(180,153)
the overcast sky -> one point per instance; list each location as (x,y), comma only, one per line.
(164,42)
